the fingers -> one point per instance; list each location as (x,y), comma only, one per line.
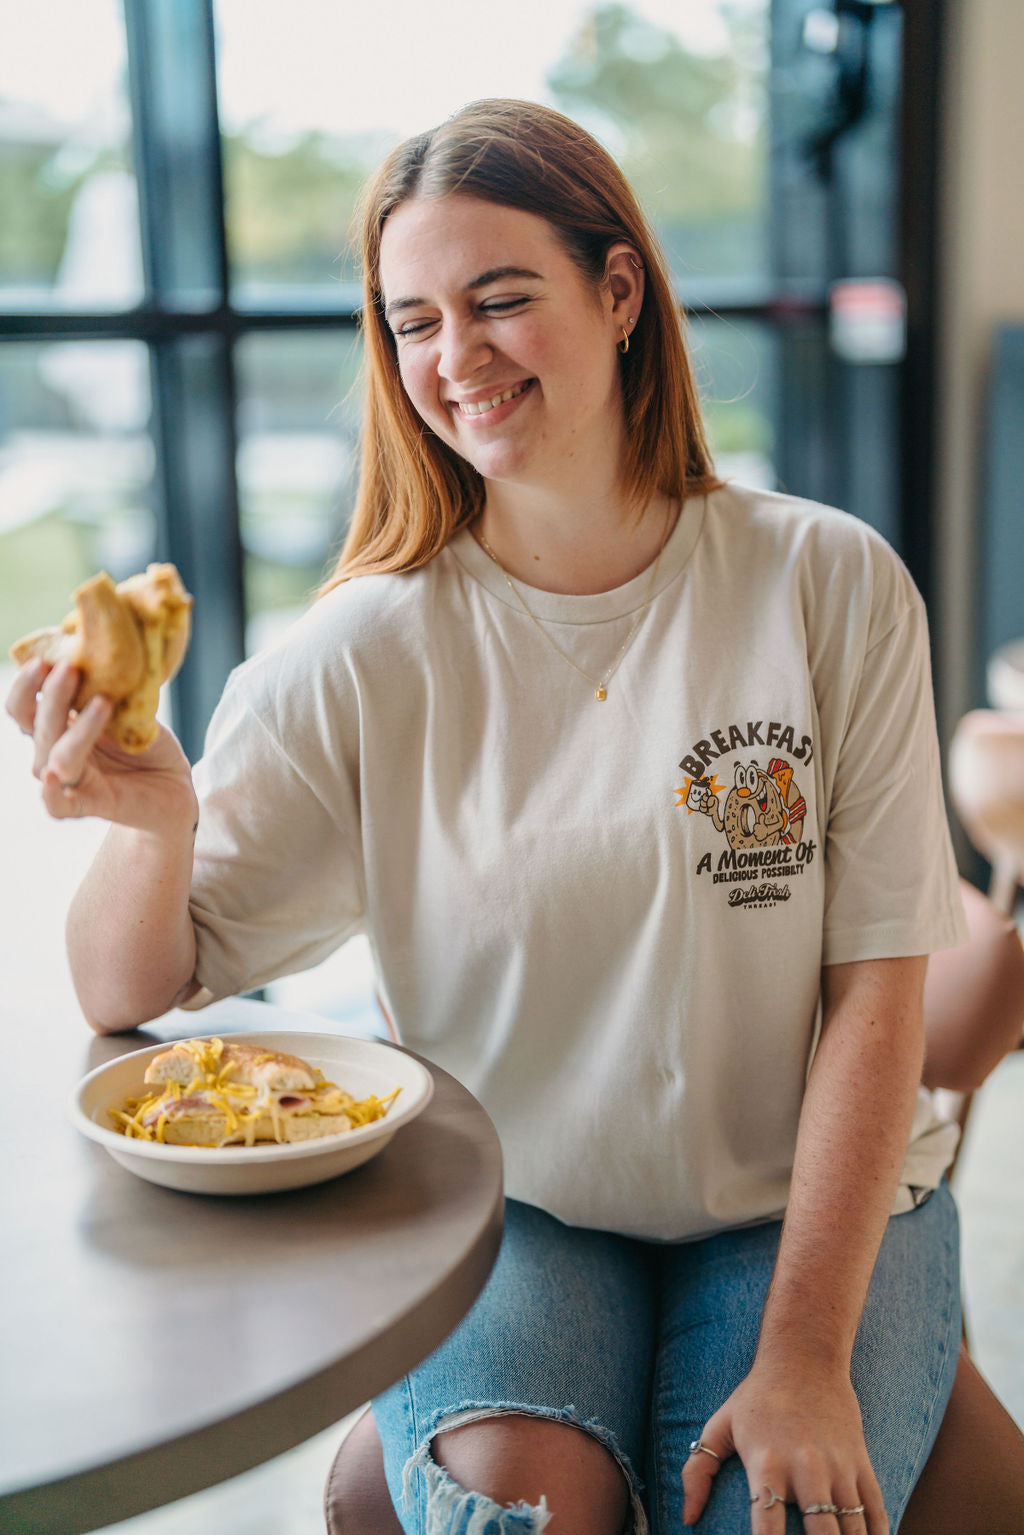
(66,765)
(844,1510)
(853,1505)
(53,704)
(768,1500)
(40,701)
(706,1456)
(21,700)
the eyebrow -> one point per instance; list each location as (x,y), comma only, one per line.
(493,274)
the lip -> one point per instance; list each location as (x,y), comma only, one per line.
(497,412)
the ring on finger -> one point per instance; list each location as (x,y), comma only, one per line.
(833,1508)
(773,1497)
(697,1447)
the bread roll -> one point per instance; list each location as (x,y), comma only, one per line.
(246,1064)
(210,1129)
(127,640)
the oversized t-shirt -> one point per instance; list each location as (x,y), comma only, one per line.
(609,918)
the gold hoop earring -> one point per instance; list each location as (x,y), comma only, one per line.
(623,345)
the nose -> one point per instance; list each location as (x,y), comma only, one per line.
(463,350)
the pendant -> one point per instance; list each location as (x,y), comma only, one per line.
(600,695)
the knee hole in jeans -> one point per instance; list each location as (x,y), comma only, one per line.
(518,1470)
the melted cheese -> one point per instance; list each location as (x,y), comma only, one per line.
(239,1104)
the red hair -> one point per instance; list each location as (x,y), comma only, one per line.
(414,491)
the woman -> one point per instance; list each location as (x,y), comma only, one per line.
(631,776)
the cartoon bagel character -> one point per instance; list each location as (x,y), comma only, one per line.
(756,813)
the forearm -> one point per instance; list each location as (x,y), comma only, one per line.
(851,1143)
(130,938)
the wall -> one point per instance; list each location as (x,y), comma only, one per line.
(982,265)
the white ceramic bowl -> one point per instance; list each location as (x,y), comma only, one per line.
(359,1066)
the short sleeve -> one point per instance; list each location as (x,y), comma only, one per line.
(892,887)
(277,883)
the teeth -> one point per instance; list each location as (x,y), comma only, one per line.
(481,407)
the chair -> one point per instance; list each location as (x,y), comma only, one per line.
(973,1483)
(986,775)
(356,1498)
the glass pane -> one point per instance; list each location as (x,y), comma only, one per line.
(299,413)
(69,224)
(736,366)
(76,466)
(677,92)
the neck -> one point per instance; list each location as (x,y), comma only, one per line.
(571,543)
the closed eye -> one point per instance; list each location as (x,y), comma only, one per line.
(413,327)
(503,305)
(491,306)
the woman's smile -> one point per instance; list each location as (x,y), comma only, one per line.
(491,405)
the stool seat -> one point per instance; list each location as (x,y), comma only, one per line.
(356,1497)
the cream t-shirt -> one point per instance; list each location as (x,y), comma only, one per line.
(607,918)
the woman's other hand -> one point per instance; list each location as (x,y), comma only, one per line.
(798,1433)
(84,772)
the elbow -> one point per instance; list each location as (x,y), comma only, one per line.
(104,1026)
(121,1015)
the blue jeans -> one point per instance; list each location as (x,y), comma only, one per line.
(639,1343)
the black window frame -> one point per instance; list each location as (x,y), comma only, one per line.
(191,327)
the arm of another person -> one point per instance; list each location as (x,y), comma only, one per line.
(131,942)
(795,1421)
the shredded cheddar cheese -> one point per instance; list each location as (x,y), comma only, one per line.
(235,1109)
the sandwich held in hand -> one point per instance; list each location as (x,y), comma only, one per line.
(210,1092)
(127,640)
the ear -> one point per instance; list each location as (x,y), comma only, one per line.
(624,278)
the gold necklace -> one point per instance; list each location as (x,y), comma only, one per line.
(599,684)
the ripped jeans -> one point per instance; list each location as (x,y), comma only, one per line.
(639,1343)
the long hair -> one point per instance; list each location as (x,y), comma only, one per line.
(414,491)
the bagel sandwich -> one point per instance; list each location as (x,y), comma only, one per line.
(127,640)
(212,1092)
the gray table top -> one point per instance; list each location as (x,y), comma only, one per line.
(155,1343)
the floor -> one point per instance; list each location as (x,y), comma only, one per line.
(43,862)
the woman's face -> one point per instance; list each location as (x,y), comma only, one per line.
(505,350)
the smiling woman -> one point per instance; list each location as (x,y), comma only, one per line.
(522,344)
(755,1290)
(490,264)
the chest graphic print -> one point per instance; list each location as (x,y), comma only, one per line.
(760,814)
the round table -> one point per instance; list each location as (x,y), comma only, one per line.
(155,1343)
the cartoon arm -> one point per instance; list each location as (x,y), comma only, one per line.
(709,807)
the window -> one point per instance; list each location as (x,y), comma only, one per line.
(178,344)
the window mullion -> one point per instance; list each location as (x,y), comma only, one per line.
(177,146)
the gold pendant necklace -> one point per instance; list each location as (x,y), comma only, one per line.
(600,685)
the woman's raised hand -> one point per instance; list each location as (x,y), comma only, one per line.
(798,1433)
(84,772)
